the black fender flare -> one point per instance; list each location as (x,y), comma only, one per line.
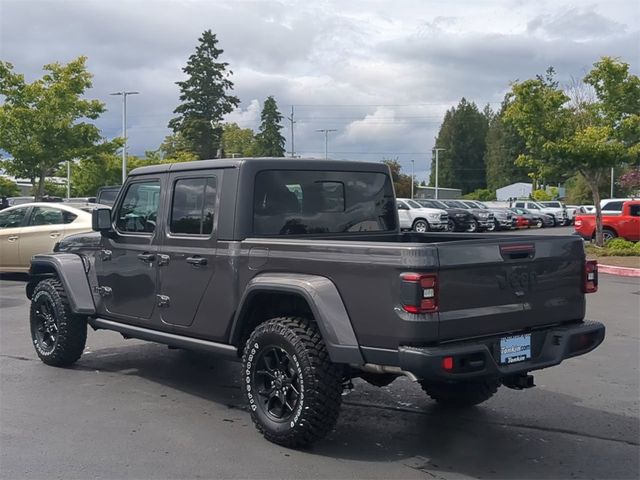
(70,269)
(325,303)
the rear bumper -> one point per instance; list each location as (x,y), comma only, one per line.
(475,359)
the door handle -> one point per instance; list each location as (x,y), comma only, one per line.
(54,234)
(197,261)
(146,257)
(12,238)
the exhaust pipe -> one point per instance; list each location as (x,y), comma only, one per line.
(374,368)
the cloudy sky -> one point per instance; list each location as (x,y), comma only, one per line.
(381,73)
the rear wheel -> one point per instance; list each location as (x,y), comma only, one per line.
(608,234)
(58,335)
(420,226)
(293,390)
(451,226)
(461,394)
(539,223)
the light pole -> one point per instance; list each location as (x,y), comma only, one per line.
(68,179)
(412,177)
(326,140)
(436,182)
(611,183)
(124,130)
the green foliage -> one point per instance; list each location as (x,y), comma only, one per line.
(401,181)
(504,145)
(42,124)
(541,195)
(565,136)
(620,248)
(481,194)
(52,189)
(463,136)
(269,139)
(8,188)
(240,141)
(578,191)
(619,244)
(205,98)
(176,146)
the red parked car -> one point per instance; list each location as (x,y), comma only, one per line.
(626,225)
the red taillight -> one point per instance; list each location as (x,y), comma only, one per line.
(447,363)
(590,276)
(419,292)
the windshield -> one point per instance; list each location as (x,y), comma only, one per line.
(432,203)
(413,204)
(455,204)
(302,202)
(552,204)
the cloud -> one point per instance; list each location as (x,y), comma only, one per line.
(382,73)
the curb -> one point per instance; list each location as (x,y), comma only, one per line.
(622,271)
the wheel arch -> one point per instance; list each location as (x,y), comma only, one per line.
(311,296)
(70,270)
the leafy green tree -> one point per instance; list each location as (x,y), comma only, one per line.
(504,144)
(205,98)
(175,146)
(463,136)
(269,139)
(42,124)
(8,188)
(401,181)
(481,194)
(52,189)
(238,141)
(580,134)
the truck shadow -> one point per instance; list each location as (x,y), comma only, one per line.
(534,434)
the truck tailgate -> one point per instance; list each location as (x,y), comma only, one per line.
(506,285)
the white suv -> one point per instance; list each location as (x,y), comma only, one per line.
(559,214)
(414,216)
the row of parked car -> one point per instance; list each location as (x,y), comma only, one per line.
(422,215)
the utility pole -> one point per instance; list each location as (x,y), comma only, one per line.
(124,130)
(611,183)
(326,140)
(68,179)
(412,177)
(436,182)
(293,145)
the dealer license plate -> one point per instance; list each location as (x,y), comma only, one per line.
(515,349)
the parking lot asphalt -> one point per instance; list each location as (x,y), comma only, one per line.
(130,409)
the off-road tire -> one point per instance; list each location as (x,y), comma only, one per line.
(70,329)
(316,410)
(461,394)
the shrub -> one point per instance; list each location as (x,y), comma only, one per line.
(619,244)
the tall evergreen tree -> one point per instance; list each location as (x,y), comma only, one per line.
(269,139)
(504,144)
(463,137)
(205,98)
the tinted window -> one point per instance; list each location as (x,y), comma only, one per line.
(616,206)
(413,204)
(12,218)
(139,209)
(304,202)
(634,210)
(50,216)
(194,200)
(107,197)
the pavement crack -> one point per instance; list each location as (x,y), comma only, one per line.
(18,357)
(564,431)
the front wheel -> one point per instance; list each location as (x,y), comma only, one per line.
(473,226)
(58,335)
(293,390)
(539,223)
(461,394)
(451,226)
(420,226)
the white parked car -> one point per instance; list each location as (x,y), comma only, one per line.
(32,228)
(586,209)
(414,216)
(559,214)
(612,206)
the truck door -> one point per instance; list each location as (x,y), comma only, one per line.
(404,215)
(126,265)
(187,256)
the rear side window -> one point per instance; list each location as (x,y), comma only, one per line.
(295,202)
(192,210)
(634,210)
(51,216)
(12,218)
(613,206)
(138,212)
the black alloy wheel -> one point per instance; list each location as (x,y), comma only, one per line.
(45,324)
(276,383)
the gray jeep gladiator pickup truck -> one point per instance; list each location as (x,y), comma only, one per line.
(298,269)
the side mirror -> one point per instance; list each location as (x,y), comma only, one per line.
(101,220)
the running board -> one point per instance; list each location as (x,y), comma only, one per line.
(165,338)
